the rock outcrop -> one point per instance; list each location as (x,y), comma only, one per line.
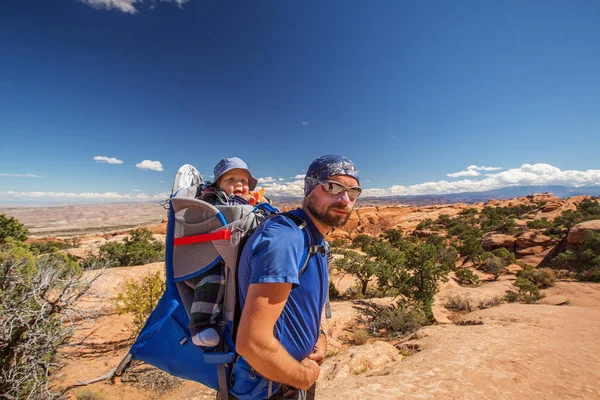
(494,240)
(577,232)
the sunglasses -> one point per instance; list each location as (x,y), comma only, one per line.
(335,188)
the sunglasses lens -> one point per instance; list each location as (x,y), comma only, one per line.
(337,188)
(354,193)
(334,188)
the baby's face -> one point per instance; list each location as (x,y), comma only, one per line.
(235,182)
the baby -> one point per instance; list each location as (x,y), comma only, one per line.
(233,185)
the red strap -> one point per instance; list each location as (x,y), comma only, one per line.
(222,234)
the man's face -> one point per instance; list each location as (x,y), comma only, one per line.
(331,210)
(234,182)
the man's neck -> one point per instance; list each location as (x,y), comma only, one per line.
(321,227)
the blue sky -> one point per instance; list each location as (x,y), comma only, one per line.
(425,97)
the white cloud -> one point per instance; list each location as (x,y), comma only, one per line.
(301,176)
(304,123)
(150,165)
(109,196)
(108,160)
(469,172)
(20,175)
(268,179)
(472,170)
(281,179)
(126,6)
(137,190)
(526,175)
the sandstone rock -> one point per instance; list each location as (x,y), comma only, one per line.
(532,238)
(543,197)
(551,206)
(529,251)
(359,359)
(513,268)
(493,241)
(577,232)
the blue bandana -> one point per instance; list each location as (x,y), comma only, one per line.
(325,166)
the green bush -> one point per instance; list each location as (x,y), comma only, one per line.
(540,224)
(338,243)
(466,276)
(529,292)
(138,248)
(334,293)
(37,314)
(494,265)
(585,260)
(11,227)
(139,298)
(402,319)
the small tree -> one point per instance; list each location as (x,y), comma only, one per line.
(427,265)
(466,276)
(11,227)
(361,266)
(471,249)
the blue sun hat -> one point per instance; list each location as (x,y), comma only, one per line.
(325,166)
(227,164)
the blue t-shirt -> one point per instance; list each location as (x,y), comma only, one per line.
(273,255)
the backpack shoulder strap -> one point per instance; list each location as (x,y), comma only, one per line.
(310,248)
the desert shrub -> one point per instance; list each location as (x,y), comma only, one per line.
(529,292)
(493,265)
(426,224)
(463,303)
(490,302)
(512,296)
(400,319)
(506,255)
(460,303)
(140,297)
(540,224)
(49,246)
(37,316)
(393,236)
(11,227)
(361,240)
(567,219)
(137,249)
(359,337)
(88,394)
(338,243)
(469,212)
(585,260)
(466,276)
(334,293)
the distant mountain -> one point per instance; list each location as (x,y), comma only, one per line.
(470,197)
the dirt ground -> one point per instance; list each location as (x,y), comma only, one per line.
(519,351)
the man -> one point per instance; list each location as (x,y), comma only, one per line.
(279,339)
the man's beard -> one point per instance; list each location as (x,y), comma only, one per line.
(332,220)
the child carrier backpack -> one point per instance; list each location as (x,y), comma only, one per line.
(200,236)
